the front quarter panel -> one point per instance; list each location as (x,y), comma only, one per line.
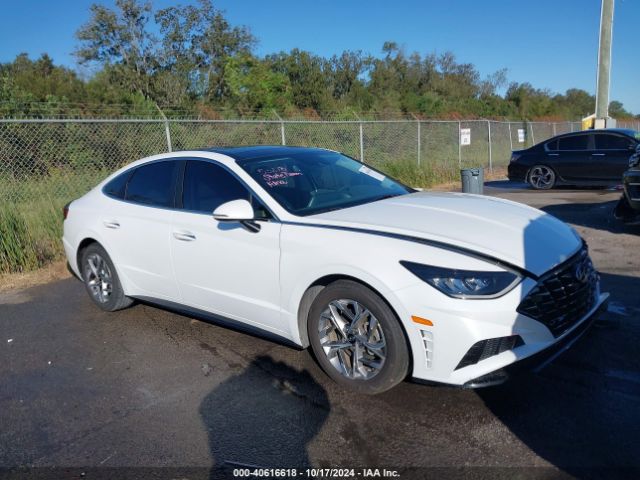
(310,253)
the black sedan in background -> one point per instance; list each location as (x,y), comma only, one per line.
(628,208)
(589,158)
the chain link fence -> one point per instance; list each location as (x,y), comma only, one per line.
(46,163)
(61,153)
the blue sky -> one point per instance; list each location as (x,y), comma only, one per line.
(551,44)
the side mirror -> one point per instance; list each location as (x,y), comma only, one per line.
(237,211)
(234,211)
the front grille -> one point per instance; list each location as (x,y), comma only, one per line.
(564,295)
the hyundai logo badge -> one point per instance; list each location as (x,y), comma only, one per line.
(583,270)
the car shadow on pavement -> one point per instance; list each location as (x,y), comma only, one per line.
(512,185)
(264,417)
(597,215)
(507,185)
(581,412)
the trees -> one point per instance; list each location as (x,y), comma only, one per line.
(190,58)
(252,85)
(616,110)
(37,87)
(187,62)
(120,40)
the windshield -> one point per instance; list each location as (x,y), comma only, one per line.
(306,183)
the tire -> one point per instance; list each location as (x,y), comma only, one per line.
(541,177)
(101,279)
(375,336)
(624,212)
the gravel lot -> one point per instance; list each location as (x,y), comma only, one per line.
(148,388)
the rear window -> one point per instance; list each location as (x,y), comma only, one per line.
(577,142)
(152,184)
(116,187)
(553,145)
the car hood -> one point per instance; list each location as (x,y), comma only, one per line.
(508,231)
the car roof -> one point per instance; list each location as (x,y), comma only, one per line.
(624,131)
(261,151)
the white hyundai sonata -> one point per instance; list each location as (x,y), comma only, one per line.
(316,249)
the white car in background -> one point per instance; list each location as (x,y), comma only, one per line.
(317,249)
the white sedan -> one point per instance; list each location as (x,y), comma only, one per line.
(314,248)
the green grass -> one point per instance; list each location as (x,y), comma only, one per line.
(31,218)
(421,176)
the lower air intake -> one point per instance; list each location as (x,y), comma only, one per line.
(488,348)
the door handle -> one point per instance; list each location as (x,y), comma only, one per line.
(553,154)
(111,224)
(184,235)
(598,154)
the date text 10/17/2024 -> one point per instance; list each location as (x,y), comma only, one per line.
(343,473)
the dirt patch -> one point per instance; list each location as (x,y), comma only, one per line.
(19,281)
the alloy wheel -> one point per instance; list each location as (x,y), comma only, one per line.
(98,277)
(352,339)
(542,177)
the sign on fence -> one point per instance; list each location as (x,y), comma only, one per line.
(521,135)
(465,136)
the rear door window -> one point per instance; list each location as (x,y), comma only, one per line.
(153,184)
(576,142)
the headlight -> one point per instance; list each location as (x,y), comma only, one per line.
(465,283)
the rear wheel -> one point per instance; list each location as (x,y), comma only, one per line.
(101,279)
(357,339)
(542,177)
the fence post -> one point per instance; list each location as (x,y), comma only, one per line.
(167,132)
(361,144)
(284,142)
(554,129)
(533,137)
(361,137)
(489,135)
(510,139)
(419,136)
(459,146)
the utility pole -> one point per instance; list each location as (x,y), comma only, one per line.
(604,64)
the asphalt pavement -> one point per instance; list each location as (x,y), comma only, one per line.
(85,391)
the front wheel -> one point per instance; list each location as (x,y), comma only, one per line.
(357,338)
(542,177)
